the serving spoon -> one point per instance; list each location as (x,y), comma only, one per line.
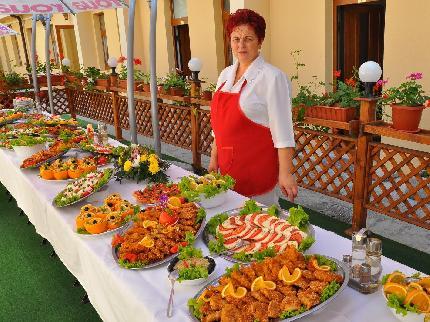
(173,276)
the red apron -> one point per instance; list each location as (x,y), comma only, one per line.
(245,149)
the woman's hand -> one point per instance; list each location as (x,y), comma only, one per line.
(288,186)
(213,163)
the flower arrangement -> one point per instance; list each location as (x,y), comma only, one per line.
(138,163)
(408,93)
(138,74)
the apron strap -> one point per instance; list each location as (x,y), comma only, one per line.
(241,88)
(222,85)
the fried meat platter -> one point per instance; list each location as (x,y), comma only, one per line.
(156,235)
(285,287)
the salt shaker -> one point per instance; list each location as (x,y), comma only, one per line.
(373,259)
(365,276)
(359,247)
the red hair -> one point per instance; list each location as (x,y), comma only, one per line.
(250,18)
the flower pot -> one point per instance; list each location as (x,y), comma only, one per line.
(122,83)
(176,91)
(207,95)
(138,86)
(406,118)
(146,88)
(161,90)
(57,80)
(103,83)
(341,114)
(41,80)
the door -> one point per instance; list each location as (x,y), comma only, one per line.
(67,45)
(360,35)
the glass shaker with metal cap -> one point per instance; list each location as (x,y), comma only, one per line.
(373,258)
(359,247)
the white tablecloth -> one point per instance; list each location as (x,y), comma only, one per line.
(125,295)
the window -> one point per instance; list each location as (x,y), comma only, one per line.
(15,49)
(228,55)
(54,48)
(181,37)
(103,38)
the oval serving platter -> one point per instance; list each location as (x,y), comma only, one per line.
(157,263)
(341,269)
(207,237)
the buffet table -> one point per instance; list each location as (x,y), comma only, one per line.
(125,295)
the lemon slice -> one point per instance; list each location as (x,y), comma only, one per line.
(240,292)
(291,278)
(146,242)
(149,223)
(318,267)
(395,288)
(174,203)
(227,290)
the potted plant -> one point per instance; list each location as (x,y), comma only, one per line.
(160,85)
(207,93)
(122,76)
(407,101)
(14,80)
(103,80)
(145,78)
(91,74)
(175,84)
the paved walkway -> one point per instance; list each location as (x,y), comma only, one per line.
(388,227)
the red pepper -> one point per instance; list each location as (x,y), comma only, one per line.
(117,239)
(130,257)
(102,160)
(184,243)
(183,200)
(174,249)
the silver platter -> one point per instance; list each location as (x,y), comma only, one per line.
(83,198)
(160,262)
(341,269)
(207,237)
(106,232)
(55,157)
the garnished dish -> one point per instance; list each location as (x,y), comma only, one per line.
(156,234)
(56,150)
(52,121)
(113,214)
(407,297)
(81,188)
(97,148)
(9,117)
(253,233)
(71,168)
(206,189)
(152,193)
(287,285)
(193,268)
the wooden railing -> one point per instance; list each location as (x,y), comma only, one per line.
(345,160)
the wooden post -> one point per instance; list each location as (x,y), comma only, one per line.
(116,120)
(361,178)
(70,103)
(195,137)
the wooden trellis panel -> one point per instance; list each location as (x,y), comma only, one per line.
(325,163)
(143,117)
(94,105)
(397,186)
(122,104)
(205,129)
(175,124)
(60,100)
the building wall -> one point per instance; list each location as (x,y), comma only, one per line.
(406,50)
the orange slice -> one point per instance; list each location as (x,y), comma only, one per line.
(174,203)
(227,290)
(396,277)
(147,242)
(259,283)
(395,288)
(149,223)
(425,281)
(318,267)
(203,296)
(419,299)
(289,278)
(269,285)
(415,286)
(240,292)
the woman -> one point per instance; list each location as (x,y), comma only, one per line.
(251,117)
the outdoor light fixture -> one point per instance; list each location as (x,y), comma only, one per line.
(66,62)
(112,63)
(195,66)
(369,72)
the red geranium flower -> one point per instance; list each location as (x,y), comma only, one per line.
(137,61)
(121,59)
(336,73)
(351,82)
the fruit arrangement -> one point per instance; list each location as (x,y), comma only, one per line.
(152,193)
(157,233)
(251,233)
(284,286)
(195,188)
(114,213)
(57,149)
(407,295)
(83,187)
(71,168)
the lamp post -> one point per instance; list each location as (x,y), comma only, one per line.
(195,66)
(113,63)
(369,73)
(66,65)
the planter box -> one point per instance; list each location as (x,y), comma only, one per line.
(122,83)
(176,91)
(341,114)
(55,80)
(103,83)
(146,88)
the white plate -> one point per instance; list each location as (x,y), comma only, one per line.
(213,202)
(197,281)
(410,317)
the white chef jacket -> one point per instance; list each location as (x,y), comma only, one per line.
(265,99)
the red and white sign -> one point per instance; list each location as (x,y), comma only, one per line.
(55,6)
(6,31)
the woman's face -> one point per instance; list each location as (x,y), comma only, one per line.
(245,44)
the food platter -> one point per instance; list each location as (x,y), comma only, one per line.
(341,270)
(53,158)
(166,259)
(228,255)
(88,195)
